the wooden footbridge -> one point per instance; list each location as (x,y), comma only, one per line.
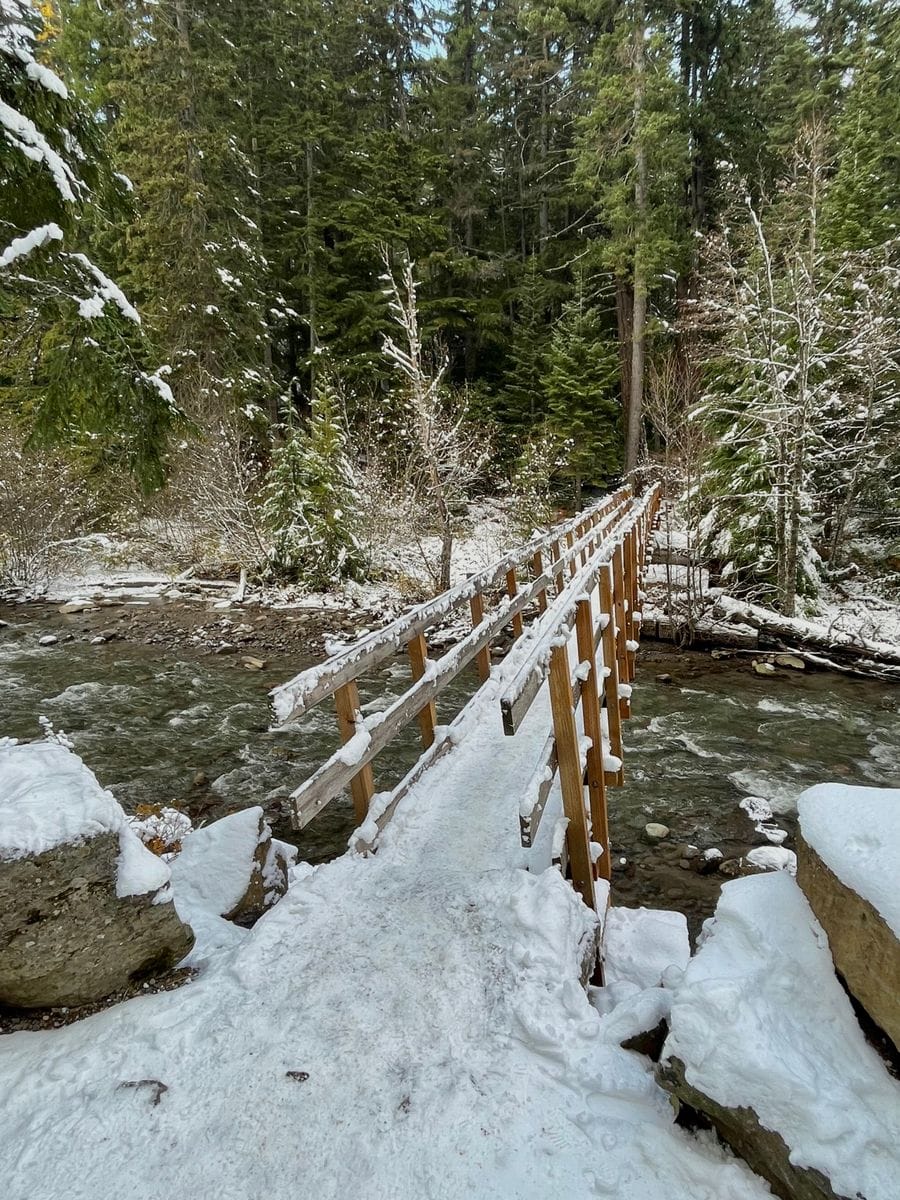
(571,599)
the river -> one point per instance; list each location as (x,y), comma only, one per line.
(180,726)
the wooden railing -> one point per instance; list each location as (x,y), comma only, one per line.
(601,604)
(542,579)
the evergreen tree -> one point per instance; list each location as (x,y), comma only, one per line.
(168,75)
(863,207)
(581,386)
(522,404)
(74,361)
(309,501)
(632,155)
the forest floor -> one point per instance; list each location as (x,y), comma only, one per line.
(135,587)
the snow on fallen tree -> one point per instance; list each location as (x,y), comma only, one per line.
(846,651)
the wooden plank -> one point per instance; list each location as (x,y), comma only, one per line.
(483,657)
(611,682)
(437,749)
(334,774)
(310,687)
(590,711)
(362,784)
(418,658)
(542,783)
(512,587)
(570,775)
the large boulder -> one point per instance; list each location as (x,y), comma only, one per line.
(763,1150)
(764,1041)
(85,908)
(848,865)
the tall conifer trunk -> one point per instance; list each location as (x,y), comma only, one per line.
(639,310)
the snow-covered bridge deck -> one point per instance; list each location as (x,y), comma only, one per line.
(578,587)
(404,1025)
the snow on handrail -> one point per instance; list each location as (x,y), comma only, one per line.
(557,622)
(308,688)
(378,730)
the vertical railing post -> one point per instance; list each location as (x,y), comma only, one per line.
(611,681)
(362,785)
(537,570)
(512,588)
(573,563)
(590,711)
(558,574)
(418,658)
(570,775)
(618,585)
(483,657)
(628,574)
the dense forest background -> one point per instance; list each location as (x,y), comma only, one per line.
(637,229)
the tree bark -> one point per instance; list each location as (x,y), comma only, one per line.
(639,311)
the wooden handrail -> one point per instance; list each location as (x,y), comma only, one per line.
(557,622)
(615,575)
(373,734)
(310,687)
(581,575)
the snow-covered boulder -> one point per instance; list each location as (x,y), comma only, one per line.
(84,905)
(848,865)
(764,1040)
(232,868)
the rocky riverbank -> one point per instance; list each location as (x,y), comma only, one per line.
(248,629)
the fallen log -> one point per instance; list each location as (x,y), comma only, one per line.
(842,650)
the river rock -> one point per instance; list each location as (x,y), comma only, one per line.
(85,908)
(790,660)
(49,639)
(655,832)
(761,667)
(77,606)
(710,861)
(865,950)
(232,868)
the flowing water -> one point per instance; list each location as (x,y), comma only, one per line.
(166,726)
(707,734)
(159,726)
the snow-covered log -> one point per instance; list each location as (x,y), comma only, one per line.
(862,655)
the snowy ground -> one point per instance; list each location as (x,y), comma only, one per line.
(139,566)
(408,1025)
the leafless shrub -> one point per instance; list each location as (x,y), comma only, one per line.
(673,385)
(210,509)
(43,502)
(446,450)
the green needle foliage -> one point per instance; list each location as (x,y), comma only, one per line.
(310,502)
